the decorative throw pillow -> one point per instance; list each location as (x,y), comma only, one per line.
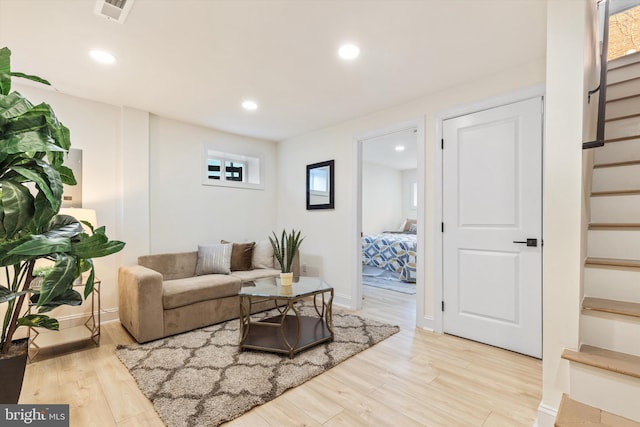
(407,224)
(413,228)
(241,255)
(214,259)
(262,255)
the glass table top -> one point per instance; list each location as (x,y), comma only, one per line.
(271,287)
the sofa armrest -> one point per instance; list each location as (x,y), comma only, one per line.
(140,302)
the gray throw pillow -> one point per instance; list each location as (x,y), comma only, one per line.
(214,259)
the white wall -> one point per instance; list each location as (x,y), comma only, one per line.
(409,176)
(332,239)
(183,211)
(381,198)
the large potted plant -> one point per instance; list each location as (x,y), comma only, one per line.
(285,249)
(33,144)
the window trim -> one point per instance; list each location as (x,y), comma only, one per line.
(247,159)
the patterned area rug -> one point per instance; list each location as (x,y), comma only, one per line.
(200,379)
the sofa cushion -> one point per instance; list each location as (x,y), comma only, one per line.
(178,265)
(241,255)
(181,292)
(214,259)
(262,255)
(259,273)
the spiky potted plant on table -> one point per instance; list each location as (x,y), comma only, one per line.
(285,249)
(33,144)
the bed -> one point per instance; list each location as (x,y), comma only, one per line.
(393,251)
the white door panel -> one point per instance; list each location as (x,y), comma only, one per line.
(492,197)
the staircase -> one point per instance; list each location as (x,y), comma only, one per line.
(605,370)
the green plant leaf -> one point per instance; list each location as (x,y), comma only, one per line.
(64,225)
(5,71)
(88,288)
(41,245)
(39,321)
(30,77)
(69,297)
(29,141)
(66,174)
(58,280)
(44,176)
(43,212)
(15,105)
(7,246)
(95,246)
(6,294)
(17,205)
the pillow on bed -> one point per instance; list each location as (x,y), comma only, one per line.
(408,223)
(413,228)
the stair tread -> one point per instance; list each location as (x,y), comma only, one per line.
(613,262)
(614,361)
(622,81)
(614,225)
(629,116)
(615,193)
(621,138)
(572,413)
(616,164)
(612,306)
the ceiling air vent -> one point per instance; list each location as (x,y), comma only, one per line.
(115,10)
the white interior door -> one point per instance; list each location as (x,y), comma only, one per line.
(492,199)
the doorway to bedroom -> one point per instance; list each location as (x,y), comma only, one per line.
(390,196)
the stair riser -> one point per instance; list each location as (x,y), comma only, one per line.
(622,90)
(622,108)
(624,244)
(614,284)
(616,178)
(611,392)
(615,209)
(610,331)
(617,75)
(621,151)
(622,128)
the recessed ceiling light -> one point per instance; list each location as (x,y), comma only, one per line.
(249,105)
(349,51)
(399,147)
(102,57)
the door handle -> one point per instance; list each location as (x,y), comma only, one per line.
(528,242)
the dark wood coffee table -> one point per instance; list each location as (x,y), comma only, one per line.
(289,332)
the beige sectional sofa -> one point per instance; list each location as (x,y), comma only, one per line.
(163,295)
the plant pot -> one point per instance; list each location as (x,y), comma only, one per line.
(12,367)
(286,279)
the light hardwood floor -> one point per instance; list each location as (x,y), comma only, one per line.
(414,378)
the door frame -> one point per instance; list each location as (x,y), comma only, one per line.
(440,117)
(359,139)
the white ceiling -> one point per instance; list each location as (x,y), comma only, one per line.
(381,150)
(196,60)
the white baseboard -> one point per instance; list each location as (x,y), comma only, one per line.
(72,320)
(344,301)
(546,416)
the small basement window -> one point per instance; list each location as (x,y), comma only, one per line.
(232,169)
